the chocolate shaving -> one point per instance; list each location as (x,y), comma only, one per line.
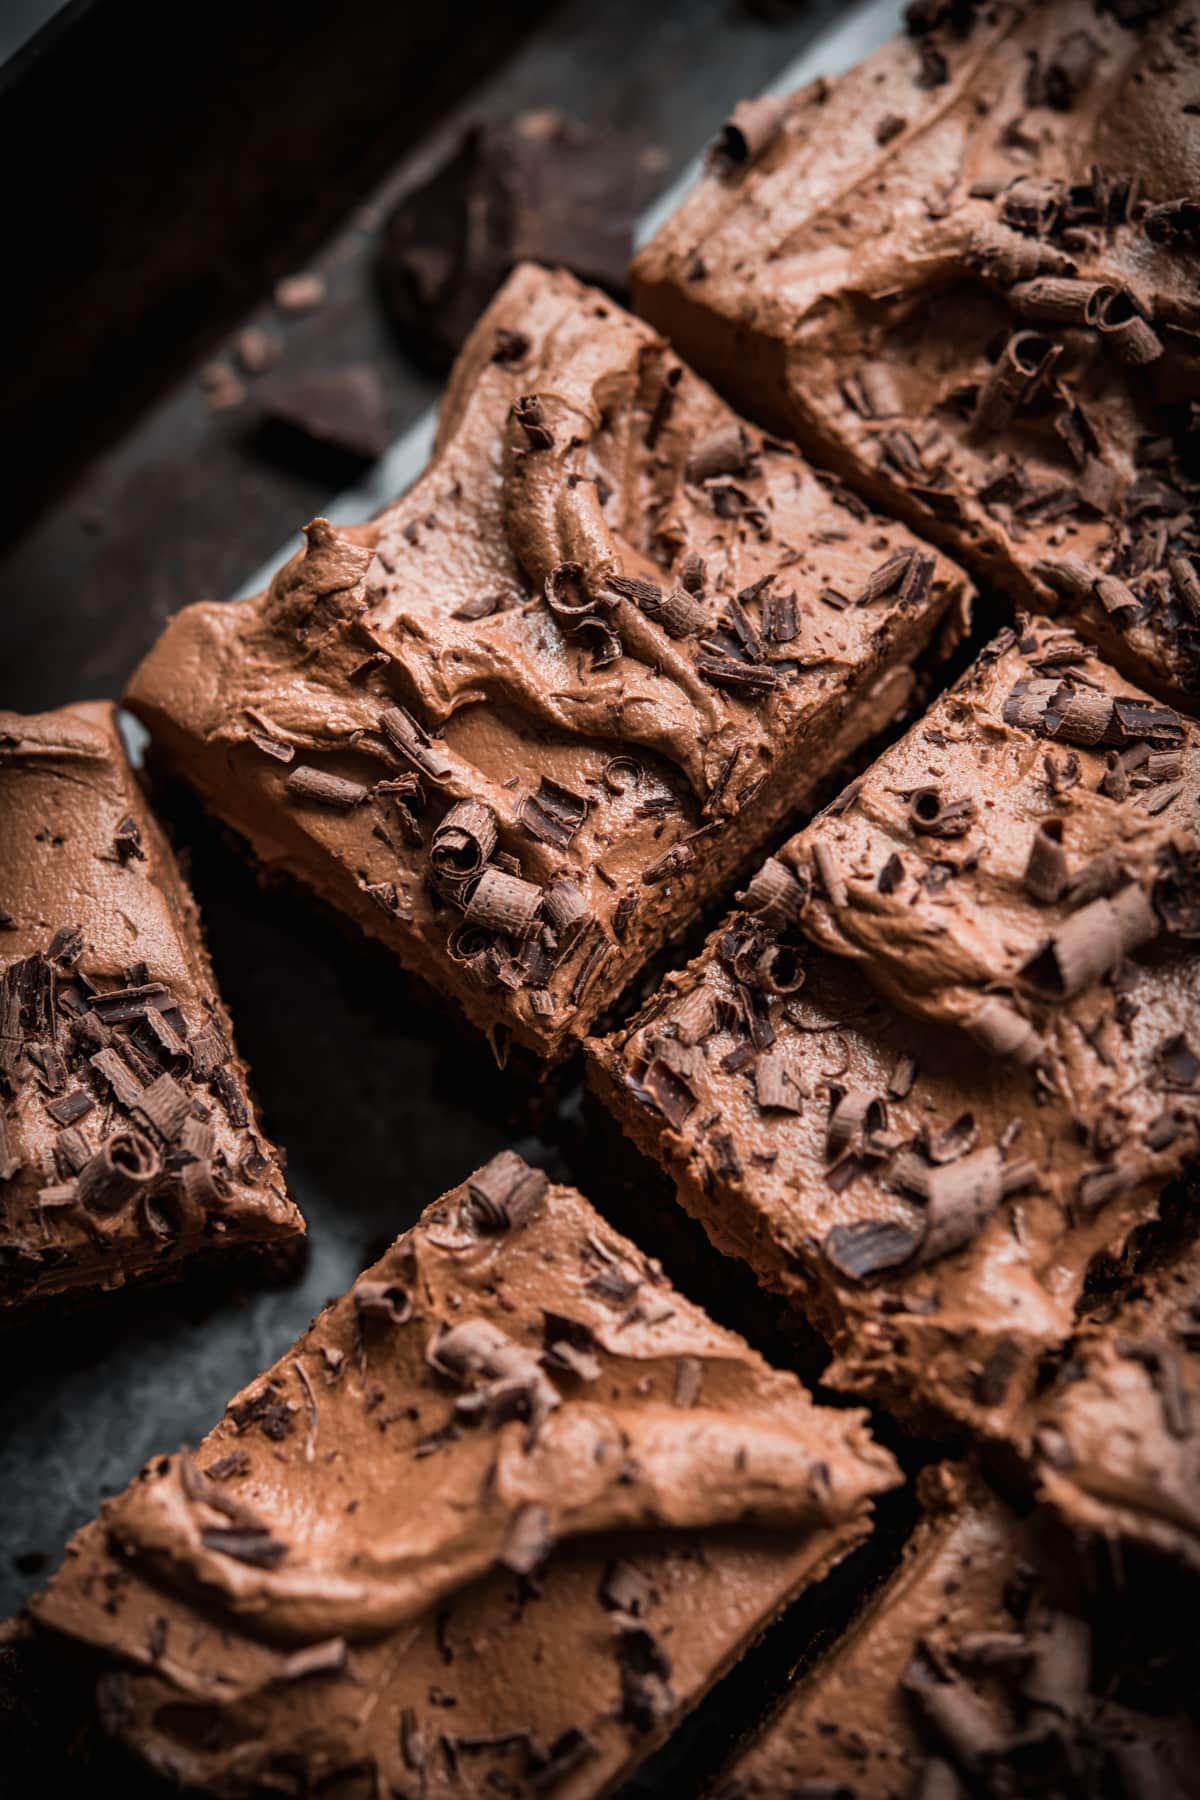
(1091,943)
(506,1193)
(830,874)
(253,1545)
(933,816)
(725,451)
(869,1247)
(777,1084)
(750,129)
(776,895)
(1047,871)
(127,842)
(413,742)
(554,814)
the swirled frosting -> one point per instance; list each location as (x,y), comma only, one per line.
(128,1140)
(524,722)
(510,1505)
(965,275)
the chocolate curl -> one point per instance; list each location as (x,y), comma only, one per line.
(856,1112)
(691,572)
(1032,203)
(125,1164)
(962,1196)
(886,578)
(1123,326)
(953,1712)
(932,816)
(1186,583)
(504,902)
(1046,872)
(779,969)
(750,128)
(1023,365)
(1059,300)
(323,789)
(414,743)
(464,840)
(725,451)
(1092,943)
(1006,256)
(506,1193)
(679,614)
(830,874)
(565,907)
(1075,579)
(776,895)
(1000,1028)
(1059,1675)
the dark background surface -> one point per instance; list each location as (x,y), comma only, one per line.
(149,237)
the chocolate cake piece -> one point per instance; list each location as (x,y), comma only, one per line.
(1117,1440)
(934,1209)
(129,1145)
(972,1671)
(1037,827)
(966,275)
(522,725)
(494,1523)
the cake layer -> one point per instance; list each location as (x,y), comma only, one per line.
(522,725)
(493,1524)
(128,1141)
(933,1207)
(971,1672)
(1117,1440)
(1034,829)
(966,275)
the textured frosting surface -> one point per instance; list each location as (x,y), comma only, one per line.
(966,275)
(521,724)
(495,1521)
(933,1205)
(1118,1439)
(1039,824)
(128,1141)
(971,1672)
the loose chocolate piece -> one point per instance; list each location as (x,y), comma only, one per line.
(671,1491)
(999,341)
(537,187)
(344,408)
(968,1672)
(512,683)
(115,1164)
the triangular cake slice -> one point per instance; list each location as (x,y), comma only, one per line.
(965,275)
(495,1522)
(526,722)
(129,1144)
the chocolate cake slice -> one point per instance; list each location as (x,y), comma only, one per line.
(494,1523)
(966,276)
(529,719)
(934,1207)
(1038,826)
(129,1145)
(973,1671)
(1117,1440)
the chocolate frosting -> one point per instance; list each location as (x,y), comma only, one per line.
(128,1141)
(1117,1441)
(1038,825)
(965,275)
(969,1672)
(524,722)
(932,1205)
(511,1502)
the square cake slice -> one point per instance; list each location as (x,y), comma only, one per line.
(933,1208)
(528,720)
(494,1523)
(1117,1439)
(980,1668)
(129,1145)
(1032,832)
(966,276)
